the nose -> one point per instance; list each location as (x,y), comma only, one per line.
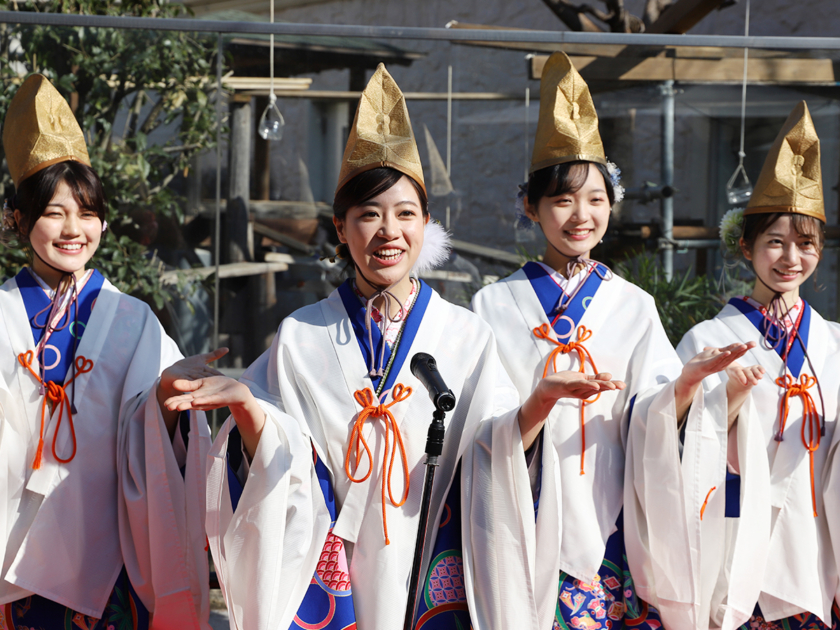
(390,226)
(790,254)
(580,212)
(72,225)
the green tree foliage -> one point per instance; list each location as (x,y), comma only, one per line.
(164,79)
(682,301)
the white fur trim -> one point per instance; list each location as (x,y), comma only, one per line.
(436,248)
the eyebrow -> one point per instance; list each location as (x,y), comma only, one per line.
(376,204)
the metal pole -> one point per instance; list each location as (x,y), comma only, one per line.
(434,447)
(403,32)
(216,247)
(667,204)
(449,137)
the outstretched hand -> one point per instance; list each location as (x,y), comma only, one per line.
(565,384)
(708,362)
(215,391)
(204,394)
(713,360)
(189,368)
(573,384)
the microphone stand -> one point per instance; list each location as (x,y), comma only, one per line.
(434,447)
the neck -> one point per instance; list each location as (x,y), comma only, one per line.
(558,261)
(400,290)
(50,274)
(764,295)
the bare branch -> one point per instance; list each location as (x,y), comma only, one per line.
(572,16)
(616,17)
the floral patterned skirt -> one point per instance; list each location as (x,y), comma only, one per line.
(609,602)
(124,611)
(805,621)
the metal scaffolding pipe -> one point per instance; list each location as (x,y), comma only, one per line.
(667,203)
(400,32)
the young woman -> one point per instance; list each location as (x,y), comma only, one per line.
(313,520)
(99,529)
(766,526)
(559,323)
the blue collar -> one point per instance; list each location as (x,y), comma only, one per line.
(550,295)
(356,312)
(796,357)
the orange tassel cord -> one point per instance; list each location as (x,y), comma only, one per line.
(706,502)
(371,408)
(583,334)
(57,395)
(810,419)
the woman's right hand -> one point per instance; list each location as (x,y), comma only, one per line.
(565,384)
(213,392)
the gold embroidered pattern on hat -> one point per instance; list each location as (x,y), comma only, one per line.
(381,133)
(567,130)
(791,178)
(40,130)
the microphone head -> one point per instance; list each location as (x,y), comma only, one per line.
(445,401)
(422,358)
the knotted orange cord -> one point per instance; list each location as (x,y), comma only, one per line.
(57,395)
(372,408)
(810,418)
(584,334)
(706,502)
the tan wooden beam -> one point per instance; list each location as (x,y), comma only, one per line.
(759,71)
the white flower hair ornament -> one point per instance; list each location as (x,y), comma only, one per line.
(731,230)
(8,220)
(437,246)
(615,180)
(523,222)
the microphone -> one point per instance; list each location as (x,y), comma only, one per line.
(424,368)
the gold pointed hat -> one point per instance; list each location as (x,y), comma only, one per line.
(40,130)
(567,130)
(791,178)
(381,134)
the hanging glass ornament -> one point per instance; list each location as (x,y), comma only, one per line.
(272,121)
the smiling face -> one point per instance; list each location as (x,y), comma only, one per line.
(384,236)
(783,259)
(64,238)
(573,222)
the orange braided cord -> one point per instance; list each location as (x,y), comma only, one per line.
(810,419)
(371,408)
(706,501)
(584,334)
(57,395)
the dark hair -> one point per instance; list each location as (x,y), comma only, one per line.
(364,187)
(568,177)
(36,191)
(756,224)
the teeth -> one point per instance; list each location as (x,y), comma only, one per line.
(70,246)
(388,254)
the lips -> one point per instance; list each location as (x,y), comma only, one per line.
(388,255)
(787,274)
(69,248)
(579,234)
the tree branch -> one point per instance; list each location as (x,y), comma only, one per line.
(616,17)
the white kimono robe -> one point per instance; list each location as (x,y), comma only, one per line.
(266,551)
(577,513)
(777,554)
(66,530)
